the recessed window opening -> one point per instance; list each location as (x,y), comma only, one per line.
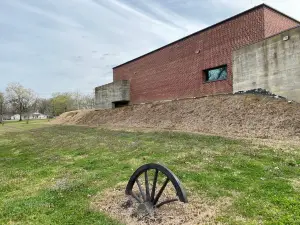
(119,104)
(217,73)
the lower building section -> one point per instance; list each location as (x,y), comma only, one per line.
(272,64)
(112,95)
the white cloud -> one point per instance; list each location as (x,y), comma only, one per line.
(289,7)
(65,45)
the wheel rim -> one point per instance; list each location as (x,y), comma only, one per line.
(149,191)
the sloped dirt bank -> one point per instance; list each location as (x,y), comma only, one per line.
(234,115)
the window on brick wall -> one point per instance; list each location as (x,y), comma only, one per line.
(217,73)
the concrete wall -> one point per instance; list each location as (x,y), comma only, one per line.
(272,64)
(108,94)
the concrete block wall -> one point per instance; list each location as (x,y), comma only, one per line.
(272,64)
(106,95)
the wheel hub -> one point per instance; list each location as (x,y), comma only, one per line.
(145,208)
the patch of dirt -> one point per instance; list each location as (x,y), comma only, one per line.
(123,208)
(296,184)
(246,115)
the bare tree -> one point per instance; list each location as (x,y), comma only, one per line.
(19,97)
(32,106)
(2,107)
(77,98)
(87,101)
(44,106)
(83,101)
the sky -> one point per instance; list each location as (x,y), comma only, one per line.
(71,45)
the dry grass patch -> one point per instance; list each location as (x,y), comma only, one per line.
(117,205)
(249,116)
(296,184)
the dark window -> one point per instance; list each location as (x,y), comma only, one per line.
(120,104)
(219,73)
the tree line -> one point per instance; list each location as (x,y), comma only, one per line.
(23,101)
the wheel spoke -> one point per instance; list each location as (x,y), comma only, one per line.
(147,186)
(141,189)
(136,197)
(154,185)
(166,202)
(161,191)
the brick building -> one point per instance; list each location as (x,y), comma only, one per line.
(197,65)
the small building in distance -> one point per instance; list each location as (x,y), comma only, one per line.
(203,63)
(32,116)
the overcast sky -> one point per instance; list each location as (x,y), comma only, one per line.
(67,45)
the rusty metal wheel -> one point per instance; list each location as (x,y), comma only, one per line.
(151,181)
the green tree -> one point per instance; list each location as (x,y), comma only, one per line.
(61,102)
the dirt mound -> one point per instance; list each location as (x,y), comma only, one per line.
(246,115)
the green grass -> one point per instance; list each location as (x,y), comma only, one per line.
(13,126)
(48,173)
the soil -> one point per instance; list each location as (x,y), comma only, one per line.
(117,205)
(238,115)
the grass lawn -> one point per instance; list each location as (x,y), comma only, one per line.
(13,126)
(49,173)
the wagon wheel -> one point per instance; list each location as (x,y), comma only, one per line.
(148,193)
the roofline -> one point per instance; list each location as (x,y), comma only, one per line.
(207,28)
(281,13)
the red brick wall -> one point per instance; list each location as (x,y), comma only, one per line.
(176,71)
(276,23)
